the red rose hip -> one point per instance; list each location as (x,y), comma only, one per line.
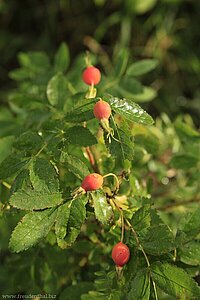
(92,182)
(120,254)
(91,75)
(102,110)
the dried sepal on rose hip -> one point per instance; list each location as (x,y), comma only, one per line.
(91,75)
(102,112)
(120,254)
(91,182)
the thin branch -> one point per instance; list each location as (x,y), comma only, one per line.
(116,179)
(92,160)
(122,225)
(145,256)
(176,204)
(7,185)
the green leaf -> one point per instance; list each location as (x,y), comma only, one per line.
(148,141)
(192,224)
(158,240)
(74,292)
(56,89)
(140,286)
(121,61)
(11,165)
(74,165)
(62,220)
(80,136)
(62,58)
(185,132)
(146,95)
(30,199)
(19,74)
(94,295)
(81,113)
(22,181)
(142,67)
(43,176)
(141,218)
(33,227)
(123,148)
(28,141)
(155,218)
(137,188)
(5,147)
(130,110)
(34,61)
(44,191)
(189,253)
(141,7)
(174,281)
(102,209)
(131,85)
(70,218)
(183,161)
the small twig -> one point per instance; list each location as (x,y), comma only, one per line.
(155,290)
(116,179)
(181,203)
(92,160)
(122,225)
(43,147)
(96,48)
(138,242)
(7,185)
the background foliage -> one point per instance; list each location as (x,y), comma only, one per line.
(148,53)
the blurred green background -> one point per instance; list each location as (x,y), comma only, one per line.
(167,30)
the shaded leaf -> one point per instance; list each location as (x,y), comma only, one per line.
(62,59)
(70,218)
(189,253)
(56,89)
(131,85)
(74,292)
(185,132)
(158,240)
(174,281)
(80,136)
(34,61)
(43,191)
(148,141)
(183,161)
(28,141)
(192,223)
(43,176)
(11,165)
(81,113)
(121,61)
(140,286)
(74,165)
(141,218)
(5,147)
(142,67)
